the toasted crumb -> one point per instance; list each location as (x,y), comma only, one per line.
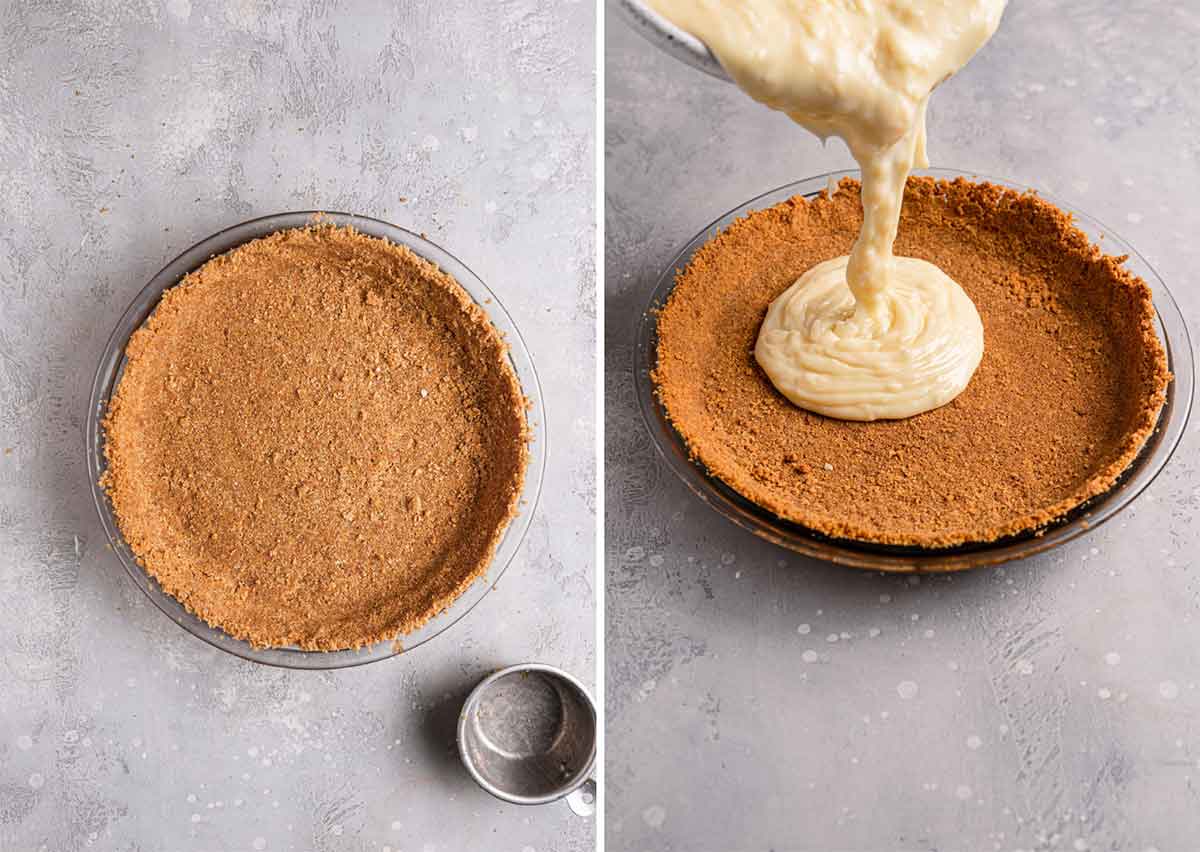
(267,462)
(1072,380)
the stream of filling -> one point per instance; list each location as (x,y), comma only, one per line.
(868,336)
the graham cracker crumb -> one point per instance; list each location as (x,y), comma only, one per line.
(267,462)
(1071,383)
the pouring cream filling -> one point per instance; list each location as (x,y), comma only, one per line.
(868,336)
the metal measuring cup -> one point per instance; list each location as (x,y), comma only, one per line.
(528,733)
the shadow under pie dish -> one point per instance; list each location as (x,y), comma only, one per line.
(1065,413)
(317,440)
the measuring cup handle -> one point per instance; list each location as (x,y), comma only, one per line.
(582,800)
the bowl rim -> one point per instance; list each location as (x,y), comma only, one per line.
(670,38)
(1153,457)
(110,369)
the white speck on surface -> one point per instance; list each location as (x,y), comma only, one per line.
(654,816)
(24,742)
(196,817)
(810,656)
(974,742)
(828,466)
(831,638)
(1112,658)
(396,826)
(1133,218)
(1025,667)
(37,780)
(1080,844)
(430,144)
(962,792)
(873,632)
(804,629)
(1104,693)
(907,689)
(1169,690)
(260,843)
(424,393)
(470,134)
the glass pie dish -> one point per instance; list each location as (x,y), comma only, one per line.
(108,376)
(1169,326)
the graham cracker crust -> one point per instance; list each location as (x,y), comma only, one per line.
(1070,387)
(318,441)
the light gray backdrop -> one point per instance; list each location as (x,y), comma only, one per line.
(1057,702)
(127,132)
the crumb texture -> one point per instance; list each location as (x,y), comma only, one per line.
(1072,379)
(318,441)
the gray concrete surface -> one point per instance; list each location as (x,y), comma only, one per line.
(127,132)
(1056,702)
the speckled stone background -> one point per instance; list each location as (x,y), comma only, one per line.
(1054,702)
(127,132)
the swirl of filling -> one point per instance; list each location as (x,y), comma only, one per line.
(914,352)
